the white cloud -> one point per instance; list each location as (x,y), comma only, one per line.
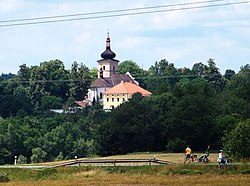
(182,37)
(7,6)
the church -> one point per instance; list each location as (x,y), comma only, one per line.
(108,75)
(110,79)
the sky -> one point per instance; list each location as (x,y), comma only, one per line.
(183,37)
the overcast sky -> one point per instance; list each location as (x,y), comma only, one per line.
(183,37)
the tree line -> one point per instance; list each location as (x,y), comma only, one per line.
(197,106)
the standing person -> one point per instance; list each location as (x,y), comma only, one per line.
(220,158)
(187,154)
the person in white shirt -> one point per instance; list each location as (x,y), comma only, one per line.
(220,158)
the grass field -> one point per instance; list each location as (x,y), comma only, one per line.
(177,174)
(172,157)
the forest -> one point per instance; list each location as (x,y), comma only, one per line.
(198,106)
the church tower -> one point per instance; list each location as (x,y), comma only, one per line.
(107,66)
(108,75)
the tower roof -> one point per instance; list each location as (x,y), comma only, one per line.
(108,53)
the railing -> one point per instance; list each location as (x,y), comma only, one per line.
(114,162)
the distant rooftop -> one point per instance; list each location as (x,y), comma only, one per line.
(127,88)
(112,81)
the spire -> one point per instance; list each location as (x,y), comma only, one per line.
(108,41)
(108,53)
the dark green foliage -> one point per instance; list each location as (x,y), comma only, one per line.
(12,105)
(195,106)
(247,171)
(191,118)
(175,145)
(237,141)
(51,102)
(131,128)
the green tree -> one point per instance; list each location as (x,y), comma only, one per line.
(93,73)
(237,142)
(23,73)
(37,86)
(198,69)
(162,77)
(38,155)
(239,86)
(51,102)
(213,75)
(48,80)
(130,66)
(229,74)
(80,76)
(192,117)
(130,128)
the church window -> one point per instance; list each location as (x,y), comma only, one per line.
(113,99)
(107,99)
(118,99)
(103,67)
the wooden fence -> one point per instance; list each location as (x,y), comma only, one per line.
(112,162)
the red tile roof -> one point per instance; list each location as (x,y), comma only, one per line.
(127,88)
(83,103)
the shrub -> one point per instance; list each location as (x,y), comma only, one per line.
(4,177)
(59,157)
(247,171)
(22,159)
(38,155)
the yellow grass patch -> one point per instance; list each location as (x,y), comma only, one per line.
(119,179)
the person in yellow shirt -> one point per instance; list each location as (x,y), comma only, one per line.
(187,154)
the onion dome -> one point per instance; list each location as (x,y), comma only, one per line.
(108,53)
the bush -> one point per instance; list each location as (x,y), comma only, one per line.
(4,177)
(22,159)
(59,157)
(38,155)
(247,171)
